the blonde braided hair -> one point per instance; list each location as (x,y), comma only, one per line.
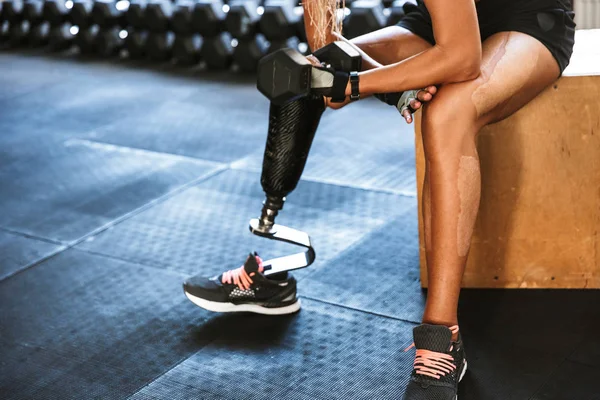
(326,17)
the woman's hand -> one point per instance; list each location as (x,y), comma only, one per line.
(327,100)
(423,96)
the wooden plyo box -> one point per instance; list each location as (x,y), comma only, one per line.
(539,219)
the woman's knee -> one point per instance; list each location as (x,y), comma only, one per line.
(450,120)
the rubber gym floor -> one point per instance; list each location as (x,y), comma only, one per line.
(118,181)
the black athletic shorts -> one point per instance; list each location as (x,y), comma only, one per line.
(549,21)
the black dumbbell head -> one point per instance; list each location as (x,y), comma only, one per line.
(81,13)
(341,56)
(217,51)
(158,15)
(182,17)
(32,11)
(365,16)
(300,30)
(159,46)
(4,27)
(186,49)
(61,37)
(12,10)
(208,17)
(242,19)
(397,11)
(135,44)
(55,12)
(109,42)
(85,39)
(283,76)
(135,14)
(109,13)
(279,20)
(289,43)
(18,32)
(248,52)
(39,34)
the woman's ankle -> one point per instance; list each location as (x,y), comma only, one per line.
(448,322)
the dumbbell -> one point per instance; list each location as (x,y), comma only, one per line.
(285,75)
(159,46)
(242,19)
(217,51)
(365,16)
(248,51)
(85,39)
(4,28)
(18,33)
(398,10)
(289,43)
(80,14)
(135,44)
(12,11)
(158,15)
(32,11)
(279,20)
(110,41)
(55,12)
(182,17)
(300,30)
(33,14)
(61,37)
(186,49)
(135,14)
(109,13)
(39,34)
(208,17)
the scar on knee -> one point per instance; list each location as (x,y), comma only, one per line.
(504,73)
(469,189)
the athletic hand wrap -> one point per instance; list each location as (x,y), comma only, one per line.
(329,83)
(400,100)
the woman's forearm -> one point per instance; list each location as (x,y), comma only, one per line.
(456,56)
(434,66)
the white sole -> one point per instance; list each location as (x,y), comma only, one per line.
(253,308)
(462,375)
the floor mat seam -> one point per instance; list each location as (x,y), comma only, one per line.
(129,261)
(360,310)
(31,236)
(121,219)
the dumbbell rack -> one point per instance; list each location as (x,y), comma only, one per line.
(219,34)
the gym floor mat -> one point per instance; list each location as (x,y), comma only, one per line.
(117,181)
(190,231)
(17,251)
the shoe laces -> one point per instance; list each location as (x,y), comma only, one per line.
(239,276)
(433,364)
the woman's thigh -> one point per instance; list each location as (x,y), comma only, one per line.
(515,68)
(392,44)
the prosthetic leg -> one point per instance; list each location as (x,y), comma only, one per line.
(292,128)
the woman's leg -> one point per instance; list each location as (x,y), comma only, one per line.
(515,68)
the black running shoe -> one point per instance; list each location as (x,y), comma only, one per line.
(245,289)
(439,364)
